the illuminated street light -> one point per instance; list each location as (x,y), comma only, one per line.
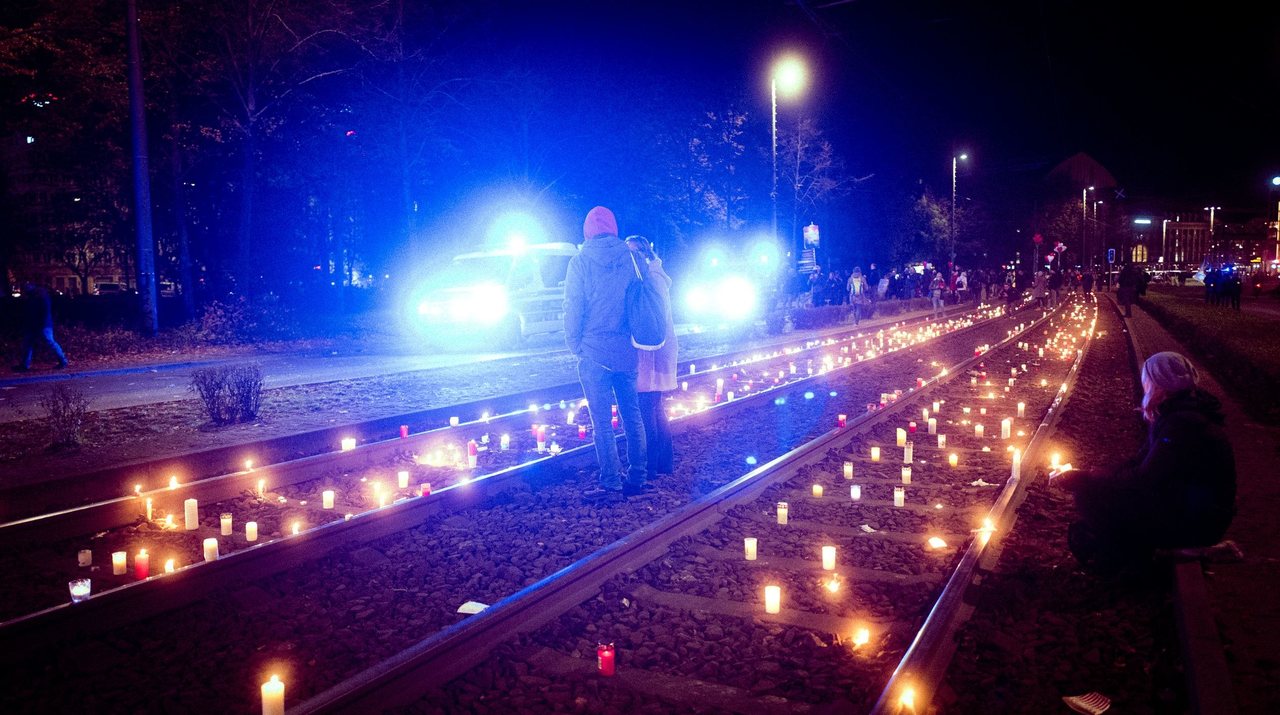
(1084,222)
(1275,181)
(955,160)
(789,77)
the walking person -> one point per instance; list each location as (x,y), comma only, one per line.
(595,329)
(1055,288)
(1180,489)
(1127,288)
(859,293)
(37,326)
(656,372)
(962,287)
(936,288)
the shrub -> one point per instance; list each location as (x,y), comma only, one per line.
(66,407)
(819,317)
(229,394)
(210,383)
(775,322)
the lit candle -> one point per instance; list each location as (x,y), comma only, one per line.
(273,696)
(298,527)
(978,431)
(119,563)
(983,410)
(924,413)
(848,470)
(402,477)
(861,637)
(191,513)
(855,492)
(84,557)
(141,564)
(606,658)
(542,438)
(908,453)
(404,431)
(937,407)
(168,565)
(225,522)
(817,490)
(505,442)
(772,599)
(473,458)
(1055,460)
(828,558)
(899,496)
(148,508)
(1011,382)
(730,396)
(262,488)
(251,531)
(749,545)
(326,499)
(902,437)
(875,454)
(210,549)
(841,420)
(782,512)
(965,410)
(424,489)
(348,444)
(79,588)
(933,425)
(1041,353)
(1043,382)
(173,482)
(719,385)
(942,441)
(906,475)
(1022,409)
(1017,463)
(953,459)
(582,431)
(453,421)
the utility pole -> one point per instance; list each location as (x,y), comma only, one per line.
(141,181)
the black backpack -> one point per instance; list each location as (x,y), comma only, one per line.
(646,312)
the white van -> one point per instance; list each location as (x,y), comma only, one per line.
(500,296)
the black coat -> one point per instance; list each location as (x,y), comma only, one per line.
(37,309)
(1179,490)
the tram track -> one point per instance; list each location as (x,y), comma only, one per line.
(691,547)
(276,496)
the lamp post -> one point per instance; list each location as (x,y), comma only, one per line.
(955,162)
(1275,181)
(789,76)
(1084,219)
(1213,242)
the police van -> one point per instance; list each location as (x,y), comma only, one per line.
(498,297)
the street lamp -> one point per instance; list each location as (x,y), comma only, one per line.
(955,161)
(1275,181)
(1084,220)
(1213,243)
(788,76)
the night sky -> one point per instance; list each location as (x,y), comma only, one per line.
(1178,102)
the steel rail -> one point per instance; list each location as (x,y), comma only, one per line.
(126,604)
(88,487)
(922,668)
(401,679)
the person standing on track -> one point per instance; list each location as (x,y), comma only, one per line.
(656,371)
(595,330)
(1179,491)
(859,293)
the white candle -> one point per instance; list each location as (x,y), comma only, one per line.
(978,431)
(772,599)
(453,421)
(899,496)
(924,413)
(908,453)
(906,475)
(937,407)
(119,562)
(251,531)
(1006,428)
(782,512)
(933,425)
(168,566)
(84,557)
(952,459)
(942,441)
(273,696)
(80,588)
(210,549)
(348,444)
(505,443)
(191,513)
(402,479)
(828,558)
(749,545)
(1041,352)
(1017,463)
(902,437)
(817,490)
(855,492)
(875,454)
(326,499)
(848,470)
(149,511)
(1055,460)
(1022,409)
(225,522)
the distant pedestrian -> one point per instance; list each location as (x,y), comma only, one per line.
(1055,288)
(1233,286)
(859,293)
(1086,282)
(1040,288)
(1127,288)
(656,371)
(937,286)
(595,328)
(962,287)
(37,326)
(1179,491)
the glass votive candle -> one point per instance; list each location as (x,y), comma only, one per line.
(79,588)
(225,522)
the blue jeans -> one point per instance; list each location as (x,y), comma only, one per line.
(29,341)
(602,387)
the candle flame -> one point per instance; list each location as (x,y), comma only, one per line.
(168,566)
(248,465)
(137,489)
(937,543)
(908,699)
(296,528)
(833,585)
(173,482)
(861,637)
(142,552)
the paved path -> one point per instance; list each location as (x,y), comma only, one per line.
(1244,595)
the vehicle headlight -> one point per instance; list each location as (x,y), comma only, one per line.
(489,304)
(735,298)
(697,299)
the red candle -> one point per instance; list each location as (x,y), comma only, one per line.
(142,565)
(841,420)
(911,426)
(473,453)
(541,434)
(582,431)
(404,431)
(424,489)
(533,431)
(614,420)
(605,658)
(919,382)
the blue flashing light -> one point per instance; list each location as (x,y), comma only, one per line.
(808,395)
(752,461)
(780,401)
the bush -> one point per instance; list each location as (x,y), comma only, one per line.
(66,407)
(229,394)
(775,323)
(819,317)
